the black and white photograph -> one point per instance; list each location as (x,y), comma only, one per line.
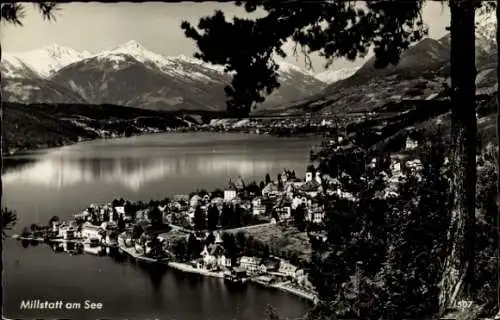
(250,160)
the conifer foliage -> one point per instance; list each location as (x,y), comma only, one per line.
(247,47)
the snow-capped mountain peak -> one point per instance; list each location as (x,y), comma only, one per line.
(47,60)
(287,67)
(331,76)
(131,47)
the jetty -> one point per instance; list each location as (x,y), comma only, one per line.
(285,286)
(188,268)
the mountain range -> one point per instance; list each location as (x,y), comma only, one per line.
(422,73)
(131,75)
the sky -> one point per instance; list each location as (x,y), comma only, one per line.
(95,26)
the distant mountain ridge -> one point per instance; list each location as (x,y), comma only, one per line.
(331,76)
(422,73)
(133,76)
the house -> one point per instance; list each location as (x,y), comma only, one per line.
(218,238)
(90,232)
(315,214)
(213,256)
(283,209)
(284,213)
(257,206)
(206,257)
(239,184)
(223,261)
(311,188)
(195,201)
(120,210)
(55,226)
(206,199)
(290,188)
(270,190)
(181,198)
(287,268)
(67,232)
(230,192)
(286,175)
(317,178)
(138,248)
(271,264)
(411,144)
(218,201)
(414,165)
(309,176)
(250,264)
(297,201)
(82,216)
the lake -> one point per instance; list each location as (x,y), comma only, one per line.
(63,181)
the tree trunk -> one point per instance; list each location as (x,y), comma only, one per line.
(498,152)
(458,268)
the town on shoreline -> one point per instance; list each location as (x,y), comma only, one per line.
(235,233)
(203,232)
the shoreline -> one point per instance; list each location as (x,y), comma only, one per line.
(186,268)
(70,143)
(10,153)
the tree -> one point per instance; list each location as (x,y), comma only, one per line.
(248,48)
(180,249)
(210,239)
(458,272)
(212,217)
(199,219)
(121,223)
(262,185)
(155,216)
(217,193)
(52,220)
(9,219)
(253,188)
(194,247)
(13,12)
(338,28)
(137,231)
(156,247)
(236,217)
(299,217)
(268,179)
(226,215)
(25,232)
(241,241)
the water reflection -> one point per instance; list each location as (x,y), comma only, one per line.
(155,272)
(61,172)
(65,180)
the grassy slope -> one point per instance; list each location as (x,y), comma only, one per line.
(281,238)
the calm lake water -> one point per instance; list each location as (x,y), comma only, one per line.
(63,181)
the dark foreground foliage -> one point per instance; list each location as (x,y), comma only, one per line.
(381,255)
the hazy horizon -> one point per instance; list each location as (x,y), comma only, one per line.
(95,27)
